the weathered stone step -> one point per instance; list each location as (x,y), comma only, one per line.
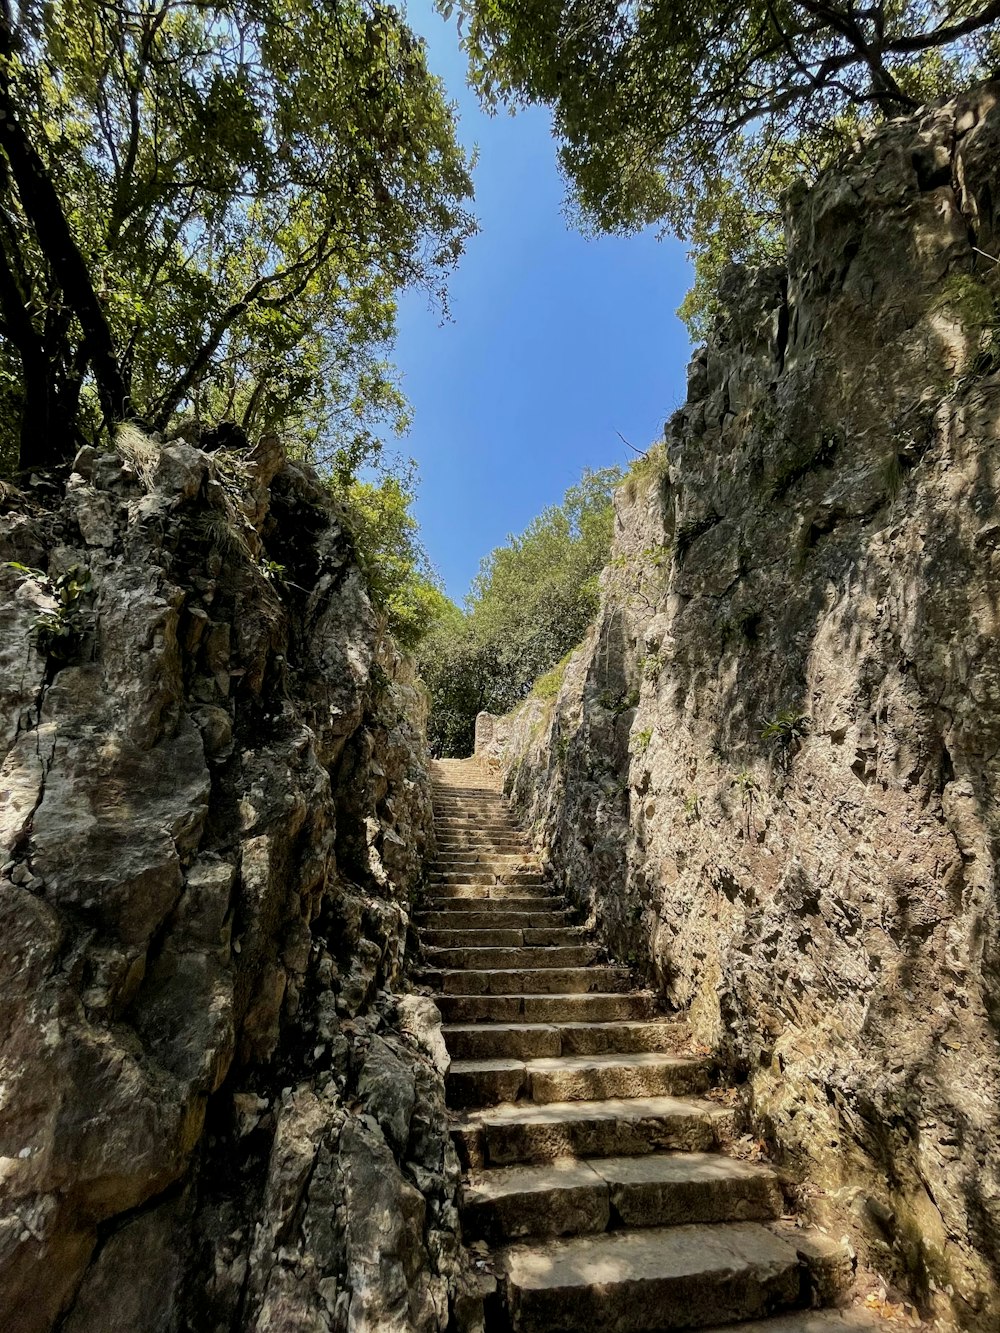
(458,821)
(477,860)
(545,1008)
(571,1197)
(505,1135)
(494,869)
(492,848)
(529,891)
(483,875)
(462,907)
(471,956)
(574,1078)
(481,837)
(492,913)
(495,808)
(814,1321)
(509,937)
(528,1041)
(652,1279)
(476,793)
(461,910)
(530,981)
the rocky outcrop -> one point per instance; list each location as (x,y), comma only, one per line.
(772,773)
(219,1109)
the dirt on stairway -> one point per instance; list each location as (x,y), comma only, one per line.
(597,1169)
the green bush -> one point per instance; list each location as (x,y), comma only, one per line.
(529,606)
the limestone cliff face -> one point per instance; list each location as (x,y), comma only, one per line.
(213,811)
(772,774)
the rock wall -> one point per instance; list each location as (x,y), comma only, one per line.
(772,774)
(218,1109)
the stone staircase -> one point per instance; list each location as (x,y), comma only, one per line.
(596,1170)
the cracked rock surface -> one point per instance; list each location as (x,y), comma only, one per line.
(215,1111)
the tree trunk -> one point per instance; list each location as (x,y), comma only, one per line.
(43,209)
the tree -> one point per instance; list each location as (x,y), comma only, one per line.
(209,207)
(397,571)
(531,601)
(698,115)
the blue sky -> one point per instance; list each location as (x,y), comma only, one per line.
(556,342)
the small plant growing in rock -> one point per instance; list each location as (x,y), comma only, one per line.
(786,727)
(641,739)
(692,807)
(652,665)
(57,633)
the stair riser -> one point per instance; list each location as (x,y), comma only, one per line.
(458,823)
(651,1304)
(486,916)
(509,938)
(543,1008)
(496,902)
(490,1087)
(491,1043)
(519,981)
(574,955)
(494,865)
(486,847)
(483,876)
(531,891)
(481,1146)
(584,1210)
(433,940)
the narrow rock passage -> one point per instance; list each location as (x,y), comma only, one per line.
(596,1168)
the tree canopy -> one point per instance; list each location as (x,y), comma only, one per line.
(531,602)
(208,208)
(698,115)
(397,571)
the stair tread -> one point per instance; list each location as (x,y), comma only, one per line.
(648,1253)
(664,1168)
(555,1063)
(623,1024)
(528,971)
(607,1108)
(811,1321)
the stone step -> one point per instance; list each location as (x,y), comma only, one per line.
(815,1321)
(649,1280)
(457,822)
(509,844)
(615,1127)
(571,1197)
(501,863)
(528,1041)
(493,913)
(545,1008)
(481,875)
(534,892)
(574,1078)
(461,910)
(509,937)
(472,956)
(493,902)
(465,854)
(530,981)
(448,804)
(490,849)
